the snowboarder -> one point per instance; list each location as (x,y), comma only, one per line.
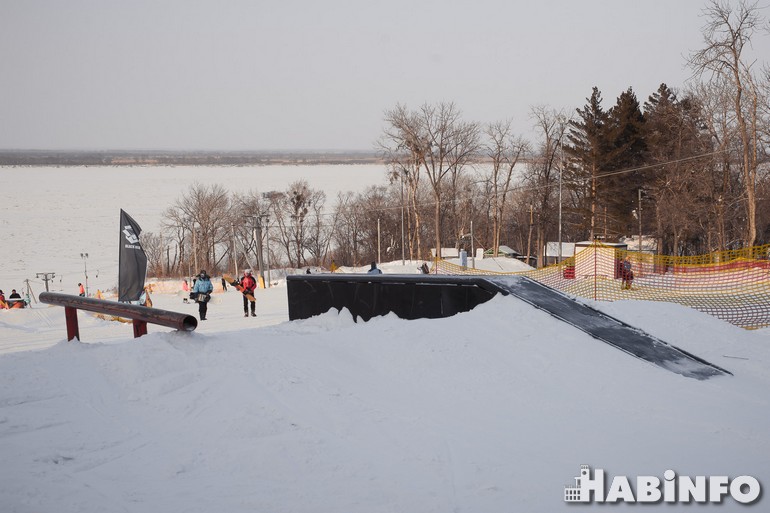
(374,269)
(249,284)
(201,293)
(81,290)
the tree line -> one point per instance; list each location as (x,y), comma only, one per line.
(686,168)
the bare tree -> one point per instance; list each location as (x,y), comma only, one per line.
(504,151)
(153,248)
(292,212)
(203,216)
(727,34)
(404,145)
(542,171)
(450,145)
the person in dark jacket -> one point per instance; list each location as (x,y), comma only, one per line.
(201,293)
(374,269)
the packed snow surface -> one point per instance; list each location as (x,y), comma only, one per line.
(492,410)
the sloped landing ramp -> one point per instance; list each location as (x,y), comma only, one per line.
(606,328)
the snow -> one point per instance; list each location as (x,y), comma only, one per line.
(52,215)
(492,410)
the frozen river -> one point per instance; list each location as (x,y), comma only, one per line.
(52,215)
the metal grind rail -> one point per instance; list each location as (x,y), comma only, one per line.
(139,315)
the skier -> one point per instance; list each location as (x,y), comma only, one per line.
(249,284)
(201,292)
(374,269)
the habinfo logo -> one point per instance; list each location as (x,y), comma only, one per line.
(592,487)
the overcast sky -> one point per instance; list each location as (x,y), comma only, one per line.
(307,74)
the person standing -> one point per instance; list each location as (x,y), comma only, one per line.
(374,269)
(81,290)
(627,274)
(224,284)
(248,284)
(201,292)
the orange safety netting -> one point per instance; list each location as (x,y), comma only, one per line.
(731,285)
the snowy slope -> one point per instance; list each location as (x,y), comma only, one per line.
(491,410)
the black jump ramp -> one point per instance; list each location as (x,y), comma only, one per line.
(409,296)
(607,328)
(417,296)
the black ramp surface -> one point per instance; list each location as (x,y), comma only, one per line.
(606,328)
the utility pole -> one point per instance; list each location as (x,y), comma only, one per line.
(529,237)
(267,244)
(403,255)
(195,248)
(561,170)
(84,256)
(257,235)
(46,278)
(640,224)
(473,251)
(29,290)
(379,257)
(235,251)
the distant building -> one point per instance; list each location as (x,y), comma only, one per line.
(649,243)
(503,251)
(446,252)
(552,251)
(601,259)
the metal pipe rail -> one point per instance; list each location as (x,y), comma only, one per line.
(140,315)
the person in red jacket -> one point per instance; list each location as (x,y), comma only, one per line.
(249,284)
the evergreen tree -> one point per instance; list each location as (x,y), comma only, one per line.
(685,189)
(588,153)
(628,147)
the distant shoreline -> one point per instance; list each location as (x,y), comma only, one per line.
(59,158)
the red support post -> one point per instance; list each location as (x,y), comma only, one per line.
(140,328)
(71,315)
(140,315)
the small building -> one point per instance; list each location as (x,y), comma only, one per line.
(598,259)
(503,251)
(551,252)
(649,244)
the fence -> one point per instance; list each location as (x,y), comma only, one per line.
(731,285)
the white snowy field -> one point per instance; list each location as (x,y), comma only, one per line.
(49,216)
(492,410)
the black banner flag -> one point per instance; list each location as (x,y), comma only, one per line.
(132,260)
